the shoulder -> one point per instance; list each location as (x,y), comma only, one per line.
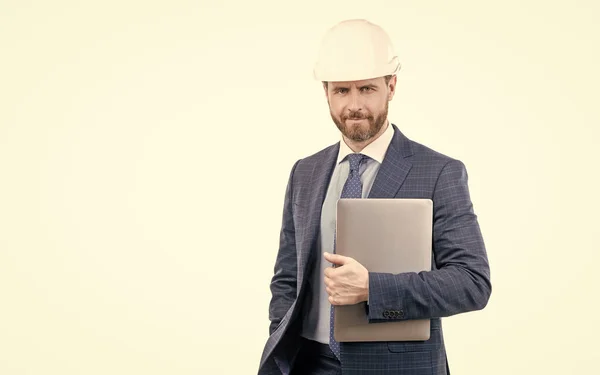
(444,176)
(308,163)
(424,153)
(431,169)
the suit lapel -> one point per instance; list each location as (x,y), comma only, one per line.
(394,168)
(319,181)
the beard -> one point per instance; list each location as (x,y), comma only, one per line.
(363,130)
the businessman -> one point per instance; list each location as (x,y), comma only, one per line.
(373,159)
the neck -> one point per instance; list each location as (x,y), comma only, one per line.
(359,146)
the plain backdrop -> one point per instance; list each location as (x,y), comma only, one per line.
(145,148)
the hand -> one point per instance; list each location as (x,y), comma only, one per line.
(347,284)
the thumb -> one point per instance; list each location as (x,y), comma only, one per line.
(336,258)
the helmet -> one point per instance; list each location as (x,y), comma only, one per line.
(354,50)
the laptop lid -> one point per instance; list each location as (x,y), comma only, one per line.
(389,236)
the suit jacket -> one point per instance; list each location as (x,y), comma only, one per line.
(458,282)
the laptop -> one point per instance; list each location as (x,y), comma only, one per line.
(389,236)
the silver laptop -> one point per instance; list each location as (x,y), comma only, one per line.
(389,236)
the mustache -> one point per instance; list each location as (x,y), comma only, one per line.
(356,116)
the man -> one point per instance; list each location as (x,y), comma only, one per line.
(374,159)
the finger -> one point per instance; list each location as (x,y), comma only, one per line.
(328,281)
(335,301)
(329,272)
(337,259)
(329,291)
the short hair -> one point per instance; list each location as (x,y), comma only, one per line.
(387,80)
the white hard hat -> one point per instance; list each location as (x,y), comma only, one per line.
(354,50)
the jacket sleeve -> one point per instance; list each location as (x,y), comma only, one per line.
(283,282)
(460,281)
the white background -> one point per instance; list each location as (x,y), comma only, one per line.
(145,148)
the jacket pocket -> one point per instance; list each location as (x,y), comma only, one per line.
(434,343)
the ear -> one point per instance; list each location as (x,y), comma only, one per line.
(325,89)
(392,87)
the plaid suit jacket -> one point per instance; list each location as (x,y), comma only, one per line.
(458,282)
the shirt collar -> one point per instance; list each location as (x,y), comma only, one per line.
(375,150)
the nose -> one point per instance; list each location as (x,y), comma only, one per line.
(354,101)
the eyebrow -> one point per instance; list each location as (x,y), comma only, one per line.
(368,85)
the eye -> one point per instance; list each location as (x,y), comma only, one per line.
(365,88)
(341,90)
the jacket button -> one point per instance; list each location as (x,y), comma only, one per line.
(400,313)
(386,314)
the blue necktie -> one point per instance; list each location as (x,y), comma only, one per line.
(352,189)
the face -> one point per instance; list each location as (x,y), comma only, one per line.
(359,108)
